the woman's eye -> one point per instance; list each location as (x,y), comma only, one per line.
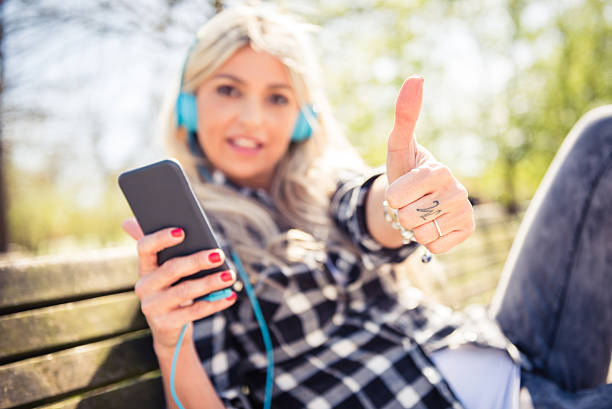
(228,90)
(279,99)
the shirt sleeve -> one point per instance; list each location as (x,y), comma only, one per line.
(348,210)
(219,355)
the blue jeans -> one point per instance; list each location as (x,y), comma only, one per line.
(554,301)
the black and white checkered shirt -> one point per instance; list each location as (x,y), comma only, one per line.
(341,338)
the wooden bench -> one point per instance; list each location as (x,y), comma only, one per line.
(72,334)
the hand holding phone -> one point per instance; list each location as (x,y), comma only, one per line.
(160,196)
(169,308)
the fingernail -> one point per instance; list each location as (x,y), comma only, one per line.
(231,297)
(178,232)
(226,276)
(214,257)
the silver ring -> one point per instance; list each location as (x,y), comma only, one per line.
(438,227)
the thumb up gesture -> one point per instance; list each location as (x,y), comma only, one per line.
(430,201)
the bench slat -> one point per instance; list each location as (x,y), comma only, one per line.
(76,369)
(144,392)
(66,324)
(469,266)
(477,246)
(456,296)
(42,280)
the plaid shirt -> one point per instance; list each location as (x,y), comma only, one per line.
(341,337)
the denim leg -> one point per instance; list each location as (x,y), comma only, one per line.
(554,301)
(538,392)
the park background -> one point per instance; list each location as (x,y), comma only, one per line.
(80,87)
(82,83)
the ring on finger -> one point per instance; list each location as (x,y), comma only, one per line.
(438,228)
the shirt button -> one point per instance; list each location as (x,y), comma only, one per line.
(470,336)
(406,343)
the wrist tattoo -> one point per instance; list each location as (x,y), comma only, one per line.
(429,211)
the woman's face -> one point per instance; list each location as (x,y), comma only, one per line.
(246,113)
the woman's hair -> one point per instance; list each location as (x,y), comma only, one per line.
(305,177)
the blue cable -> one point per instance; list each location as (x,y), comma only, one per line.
(264,333)
(173,370)
(263,327)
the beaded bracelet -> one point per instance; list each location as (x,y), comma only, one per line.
(392,216)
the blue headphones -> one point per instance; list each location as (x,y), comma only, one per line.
(187,112)
(187,117)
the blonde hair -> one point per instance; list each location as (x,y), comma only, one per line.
(304,178)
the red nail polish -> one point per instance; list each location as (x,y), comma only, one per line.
(178,232)
(214,257)
(226,276)
(231,297)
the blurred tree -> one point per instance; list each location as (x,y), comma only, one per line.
(571,74)
(79,204)
(3,215)
(367,48)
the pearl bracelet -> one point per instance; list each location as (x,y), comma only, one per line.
(392,216)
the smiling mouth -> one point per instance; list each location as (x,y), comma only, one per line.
(245,145)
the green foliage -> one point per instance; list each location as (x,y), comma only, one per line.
(44,218)
(521,126)
(545,100)
(569,73)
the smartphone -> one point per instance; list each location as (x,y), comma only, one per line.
(160,196)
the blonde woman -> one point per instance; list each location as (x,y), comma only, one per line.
(297,210)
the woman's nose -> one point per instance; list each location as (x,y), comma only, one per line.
(251,114)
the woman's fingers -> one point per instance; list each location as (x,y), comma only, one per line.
(165,325)
(431,192)
(166,301)
(426,179)
(448,241)
(131,227)
(177,268)
(454,227)
(151,244)
(168,308)
(432,206)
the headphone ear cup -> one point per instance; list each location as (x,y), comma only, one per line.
(302,130)
(187,112)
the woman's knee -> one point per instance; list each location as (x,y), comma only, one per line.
(594,128)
